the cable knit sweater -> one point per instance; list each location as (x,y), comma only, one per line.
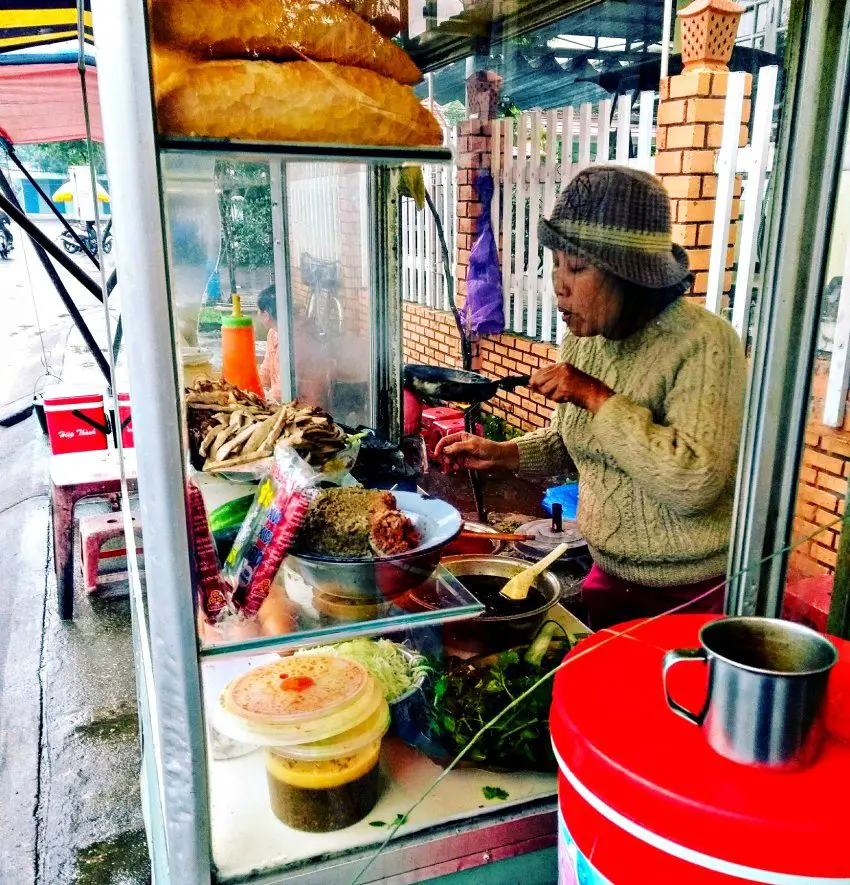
(656,464)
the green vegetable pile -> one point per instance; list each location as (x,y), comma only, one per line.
(395,668)
(468,694)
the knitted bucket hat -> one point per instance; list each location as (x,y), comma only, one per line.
(618,219)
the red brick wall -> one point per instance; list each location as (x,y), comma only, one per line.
(503,355)
(823,486)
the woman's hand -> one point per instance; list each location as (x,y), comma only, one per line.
(464,450)
(563,383)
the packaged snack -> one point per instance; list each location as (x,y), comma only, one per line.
(212,590)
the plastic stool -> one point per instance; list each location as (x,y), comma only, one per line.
(445,428)
(102,537)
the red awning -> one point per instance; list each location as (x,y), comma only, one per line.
(44,102)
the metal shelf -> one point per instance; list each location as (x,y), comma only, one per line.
(372,154)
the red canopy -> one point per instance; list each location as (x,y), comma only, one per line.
(44,102)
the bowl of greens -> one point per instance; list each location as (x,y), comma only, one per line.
(469,693)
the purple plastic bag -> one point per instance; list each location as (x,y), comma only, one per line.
(483,311)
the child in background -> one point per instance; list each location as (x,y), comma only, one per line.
(270,369)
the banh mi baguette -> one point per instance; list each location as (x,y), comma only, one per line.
(168,64)
(295,101)
(279,30)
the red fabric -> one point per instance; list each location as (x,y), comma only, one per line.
(609,600)
(41,103)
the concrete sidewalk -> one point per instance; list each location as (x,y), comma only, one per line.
(69,752)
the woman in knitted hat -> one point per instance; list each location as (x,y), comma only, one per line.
(650,392)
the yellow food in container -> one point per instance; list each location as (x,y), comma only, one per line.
(321,720)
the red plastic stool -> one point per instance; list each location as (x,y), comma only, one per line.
(102,538)
(445,428)
(437,413)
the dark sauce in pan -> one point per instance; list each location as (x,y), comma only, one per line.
(487,589)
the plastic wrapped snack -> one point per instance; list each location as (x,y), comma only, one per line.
(268,531)
(212,590)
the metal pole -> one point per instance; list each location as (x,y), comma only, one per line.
(665,36)
(167,664)
(9,203)
(10,151)
(283,296)
(806,181)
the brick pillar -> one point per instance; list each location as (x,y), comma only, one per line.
(473,153)
(690,128)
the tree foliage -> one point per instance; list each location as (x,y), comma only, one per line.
(57,156)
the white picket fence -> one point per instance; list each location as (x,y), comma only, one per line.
(535,156)
(422,268)
(313,191)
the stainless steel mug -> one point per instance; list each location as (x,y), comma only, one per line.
(767,680)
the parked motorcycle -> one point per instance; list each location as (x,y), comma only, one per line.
(7,242)
(87,233)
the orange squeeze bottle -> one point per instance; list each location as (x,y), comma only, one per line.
(238,354)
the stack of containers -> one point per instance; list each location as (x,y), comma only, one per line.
(320,720)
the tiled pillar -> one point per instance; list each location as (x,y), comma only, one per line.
(690,129)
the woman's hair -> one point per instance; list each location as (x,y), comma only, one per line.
(267,301)
(639,298)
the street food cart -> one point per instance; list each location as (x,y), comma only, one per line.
(184,131)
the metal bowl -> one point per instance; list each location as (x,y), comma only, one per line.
(386,577)
(489,633)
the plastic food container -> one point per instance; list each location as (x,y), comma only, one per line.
(321,720)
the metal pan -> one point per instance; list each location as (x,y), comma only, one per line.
(456,385)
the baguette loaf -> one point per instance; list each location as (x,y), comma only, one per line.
(294,101)
(279,30)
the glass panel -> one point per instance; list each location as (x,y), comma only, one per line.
(272,808)
(331,289)
(825,466)
(322,617)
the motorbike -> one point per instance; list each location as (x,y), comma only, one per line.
(7,242)
(87,233)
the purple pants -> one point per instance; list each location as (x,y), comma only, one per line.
(609,600)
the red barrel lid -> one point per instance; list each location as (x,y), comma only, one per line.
(641,765)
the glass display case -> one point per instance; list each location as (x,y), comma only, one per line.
(236,233)
(257,167)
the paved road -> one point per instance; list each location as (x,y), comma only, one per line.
(69,799)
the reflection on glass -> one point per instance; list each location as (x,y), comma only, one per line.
(331,300)
(825,462)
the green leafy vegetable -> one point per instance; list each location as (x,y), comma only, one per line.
(468,694)
(494,793)
(398,821)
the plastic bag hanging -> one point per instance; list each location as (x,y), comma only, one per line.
(483,311)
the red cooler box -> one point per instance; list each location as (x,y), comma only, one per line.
(125,421)
(76,419)
(644,799)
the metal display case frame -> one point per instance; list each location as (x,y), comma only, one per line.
(174,768)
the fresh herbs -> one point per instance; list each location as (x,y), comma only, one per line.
(399,821)
(495,793)
(468,694)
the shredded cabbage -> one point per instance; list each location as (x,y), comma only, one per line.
(396,668)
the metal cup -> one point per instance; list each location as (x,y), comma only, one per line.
(767,680)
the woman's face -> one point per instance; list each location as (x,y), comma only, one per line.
(590,300)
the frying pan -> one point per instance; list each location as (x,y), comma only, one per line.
(456,385)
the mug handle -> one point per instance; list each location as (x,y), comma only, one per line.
(678,656)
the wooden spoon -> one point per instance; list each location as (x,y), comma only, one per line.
(519,585)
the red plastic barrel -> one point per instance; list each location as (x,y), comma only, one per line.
(643,797)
